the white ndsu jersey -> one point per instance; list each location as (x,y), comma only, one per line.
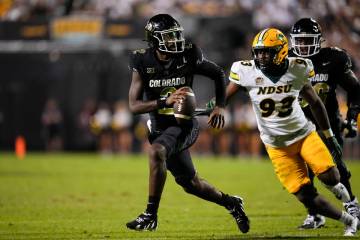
(280,120)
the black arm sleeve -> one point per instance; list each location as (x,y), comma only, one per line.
(216,73)
(351,85)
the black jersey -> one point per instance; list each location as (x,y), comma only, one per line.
(330,64)
(160,80)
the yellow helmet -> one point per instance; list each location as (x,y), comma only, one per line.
(274,41)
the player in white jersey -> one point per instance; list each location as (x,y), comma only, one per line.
(274,82)
(280,122)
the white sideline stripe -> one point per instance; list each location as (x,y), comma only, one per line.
(182,116)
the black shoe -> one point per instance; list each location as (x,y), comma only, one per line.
(143,222)
(237,211)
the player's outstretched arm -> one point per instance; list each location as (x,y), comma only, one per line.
(317,107)
(231,90)
(214,72)
(319,112)
(351,85)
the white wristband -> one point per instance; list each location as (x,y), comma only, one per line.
(328,133)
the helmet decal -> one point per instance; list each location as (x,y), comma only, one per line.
(149,27)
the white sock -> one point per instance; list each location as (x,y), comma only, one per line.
(340,192)
(346,218)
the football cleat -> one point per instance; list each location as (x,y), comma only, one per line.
(143,222)
(353,208)
(313,222)
(351,229)
(237,211)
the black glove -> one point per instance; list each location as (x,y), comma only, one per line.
(334,148)
(350,122)
(352,113)
(349,128)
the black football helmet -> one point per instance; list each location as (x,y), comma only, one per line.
(306,37)
(164,33)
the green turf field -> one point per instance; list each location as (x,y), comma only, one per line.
(79,196)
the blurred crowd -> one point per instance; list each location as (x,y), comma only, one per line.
(286,10)
(340,18)
(112,129)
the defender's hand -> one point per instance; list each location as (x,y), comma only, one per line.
(334,148)
(216,119)
(349,128)
(351,120)
(352,113)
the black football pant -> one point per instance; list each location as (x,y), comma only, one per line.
(177,140)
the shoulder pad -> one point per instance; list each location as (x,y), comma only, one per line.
(240,68)
(299,62)
(340,57)
(194,53)
(189,45)
(191,48)
(243,65)
(339,52)
(246,63)
(337,49)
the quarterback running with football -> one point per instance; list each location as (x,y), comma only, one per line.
(332,67)
(158,74)
(274,82)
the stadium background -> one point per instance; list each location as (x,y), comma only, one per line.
(64,77)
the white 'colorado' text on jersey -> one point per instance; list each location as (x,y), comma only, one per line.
(281,121)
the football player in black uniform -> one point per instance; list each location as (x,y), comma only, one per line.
(158,73)
(332,67)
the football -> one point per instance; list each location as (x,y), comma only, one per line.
(184,109)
